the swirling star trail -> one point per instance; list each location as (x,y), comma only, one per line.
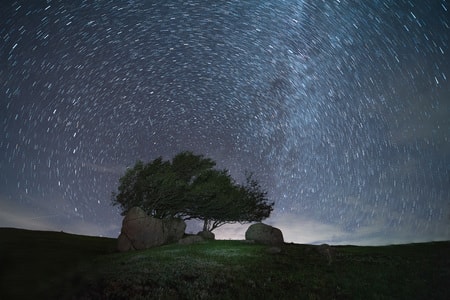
(341,108)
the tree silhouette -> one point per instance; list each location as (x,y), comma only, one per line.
(189,188)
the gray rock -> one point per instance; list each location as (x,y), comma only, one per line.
(264,234)
(191,239)
(140,231)
(174,228)
(207,235)
(124,244)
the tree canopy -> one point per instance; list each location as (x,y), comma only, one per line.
(189,187)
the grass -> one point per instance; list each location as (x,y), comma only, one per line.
(57,265)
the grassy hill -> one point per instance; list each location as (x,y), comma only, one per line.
(54,265)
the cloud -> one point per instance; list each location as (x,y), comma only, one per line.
(16,215)
(422,120)
(304,230)
(92,229)
(111,169)
(295,227)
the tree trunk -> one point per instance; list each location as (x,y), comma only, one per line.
(205,225)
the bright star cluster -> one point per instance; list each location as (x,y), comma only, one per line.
(341,109)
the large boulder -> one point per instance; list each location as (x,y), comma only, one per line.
(207,235)
(264,234)
(140,231)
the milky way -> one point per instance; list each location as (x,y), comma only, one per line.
(341,108)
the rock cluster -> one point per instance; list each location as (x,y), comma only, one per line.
(140,231)
(264,234)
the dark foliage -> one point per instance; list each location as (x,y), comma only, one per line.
(188,187)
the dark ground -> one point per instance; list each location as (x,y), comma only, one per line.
(56,265)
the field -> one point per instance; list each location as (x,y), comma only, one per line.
(56,265)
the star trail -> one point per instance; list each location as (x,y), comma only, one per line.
(340,108)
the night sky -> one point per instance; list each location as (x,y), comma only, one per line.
(341,108)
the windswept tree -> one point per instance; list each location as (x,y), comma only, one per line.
(257,206)
(187,166)
(188,187)
(154,187)
(217,200)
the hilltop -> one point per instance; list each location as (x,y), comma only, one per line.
(56,265)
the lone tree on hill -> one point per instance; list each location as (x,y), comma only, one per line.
(216,200)
(189,188)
